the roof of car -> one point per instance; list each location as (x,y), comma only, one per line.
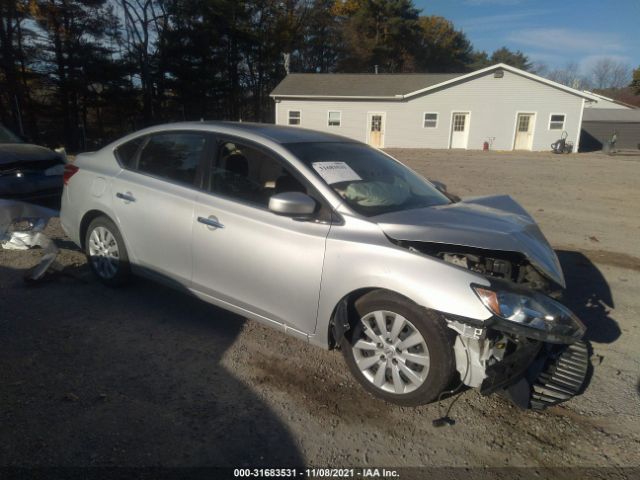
(276,133)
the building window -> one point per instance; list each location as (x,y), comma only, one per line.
(294,117)
(430,120)
(556,122)
(335,119)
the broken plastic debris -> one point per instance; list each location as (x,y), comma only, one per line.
(14,212)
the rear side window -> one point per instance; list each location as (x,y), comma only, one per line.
(126,153)
(173,156)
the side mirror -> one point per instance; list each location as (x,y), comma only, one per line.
(441,187)
(292,204)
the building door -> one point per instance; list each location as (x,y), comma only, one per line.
(524,131)
(375,127)
(459,130)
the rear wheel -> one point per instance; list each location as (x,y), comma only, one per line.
(398,350)
(106,253)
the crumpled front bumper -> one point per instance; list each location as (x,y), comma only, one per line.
(539,375)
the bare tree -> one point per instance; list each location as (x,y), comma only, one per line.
(144,21)
(568,75)
(610,73)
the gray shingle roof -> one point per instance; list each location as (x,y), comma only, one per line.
(357,85)
(611,115)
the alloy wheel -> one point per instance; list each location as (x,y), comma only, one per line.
(391,353)
(104,253)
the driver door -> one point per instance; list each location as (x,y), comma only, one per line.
(245,255)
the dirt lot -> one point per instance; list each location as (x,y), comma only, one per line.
(150,376)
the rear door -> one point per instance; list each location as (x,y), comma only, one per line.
(154,199)
(249,257)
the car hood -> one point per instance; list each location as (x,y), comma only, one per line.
(492,223)
(17,152)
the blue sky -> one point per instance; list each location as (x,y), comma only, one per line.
(550,31)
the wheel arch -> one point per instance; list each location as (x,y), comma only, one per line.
(343,314)
(87,218)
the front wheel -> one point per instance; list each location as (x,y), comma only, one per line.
(106,252)
(398,350)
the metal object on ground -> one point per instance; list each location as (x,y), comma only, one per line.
(36,218)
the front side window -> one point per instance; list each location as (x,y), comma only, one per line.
(369,181)
(430,120)
(250,175)
(173,156)
(556,122)
(335,118)
(294,117)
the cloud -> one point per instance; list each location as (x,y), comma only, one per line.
(587,63)
(498,22)
(493,2)
(568,41)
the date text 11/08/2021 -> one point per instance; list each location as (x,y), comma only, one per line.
(315,473)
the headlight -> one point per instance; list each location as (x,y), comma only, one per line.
(531,314)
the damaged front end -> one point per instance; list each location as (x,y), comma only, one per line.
(535,368)
(530,349)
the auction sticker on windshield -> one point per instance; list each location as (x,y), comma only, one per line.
(335,172)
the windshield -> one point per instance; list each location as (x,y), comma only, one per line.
(6,136)
(369,181)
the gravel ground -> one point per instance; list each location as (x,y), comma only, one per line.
(150,376)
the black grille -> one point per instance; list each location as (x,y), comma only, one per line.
(562,378)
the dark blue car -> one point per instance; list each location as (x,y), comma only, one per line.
(27,171)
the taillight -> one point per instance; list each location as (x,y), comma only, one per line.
(69,171)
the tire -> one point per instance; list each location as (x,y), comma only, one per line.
(409,369)
(106,253)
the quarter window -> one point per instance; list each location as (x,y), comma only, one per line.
(335,118)
(430,120)
(250,175)
(173,156)
(126,153)
(556,122)
(294,117)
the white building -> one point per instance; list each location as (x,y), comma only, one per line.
(509,108)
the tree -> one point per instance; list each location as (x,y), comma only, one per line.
(144,24)
(440,47)
(380,32)
(479,60)
(73,35)
(568,75)
(516,59)
(609,73)
(635,83)
(12,17)
(318,47)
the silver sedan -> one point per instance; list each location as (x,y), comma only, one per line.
(338,244)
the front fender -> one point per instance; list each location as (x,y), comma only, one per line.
(358,255)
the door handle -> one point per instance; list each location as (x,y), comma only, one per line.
(127,197)
(211,222)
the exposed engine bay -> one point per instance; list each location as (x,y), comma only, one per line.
(509,266)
